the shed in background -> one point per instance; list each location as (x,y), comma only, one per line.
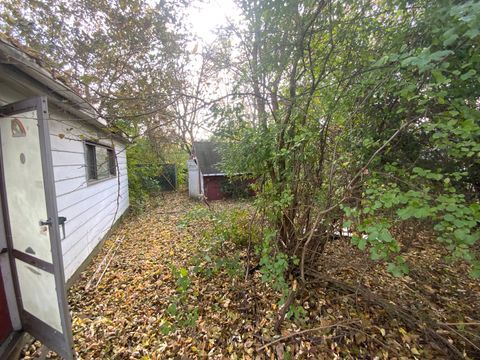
(205,178)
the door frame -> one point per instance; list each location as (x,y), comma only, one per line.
(50,337)
(7,275)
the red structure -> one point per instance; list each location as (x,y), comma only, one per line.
(206,177)
(213,186)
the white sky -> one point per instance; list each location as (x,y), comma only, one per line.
(207,15)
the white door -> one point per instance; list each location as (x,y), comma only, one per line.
(31,223)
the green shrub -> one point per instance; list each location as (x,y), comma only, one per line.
(143,169)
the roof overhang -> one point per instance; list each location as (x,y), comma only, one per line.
(16,64)
(219,174)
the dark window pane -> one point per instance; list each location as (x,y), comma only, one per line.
(100,162)
(91,162)
(112,163)
(103,164)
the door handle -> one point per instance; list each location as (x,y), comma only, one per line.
(46,222)
(4,250)
(61,222)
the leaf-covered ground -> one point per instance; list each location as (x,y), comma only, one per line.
(170,293)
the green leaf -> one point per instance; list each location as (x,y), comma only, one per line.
(385,236)
(405,213)
(439,78)
(362,243)
(468,74)
(472,33)
(449,217)
(398,268)
(475,269)
(382,61)
(450,40)
(423,212)
(374,254)
(439,55)
(460,234)
(172,309)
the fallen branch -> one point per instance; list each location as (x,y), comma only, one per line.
(461,323)
(285,307)
(108,264)
(89,283)
(249,246)
(298,333)
(104,260)
(428,328)
(449,328)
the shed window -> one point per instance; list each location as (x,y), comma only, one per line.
(100,162)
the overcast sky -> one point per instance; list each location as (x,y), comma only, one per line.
(205,16)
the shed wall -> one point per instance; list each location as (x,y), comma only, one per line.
(90,208)
(213,187)
(193,179)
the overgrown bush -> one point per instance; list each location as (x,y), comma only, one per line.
(226,235)
(180,313)
(237,187)
(368,112)
(144,166)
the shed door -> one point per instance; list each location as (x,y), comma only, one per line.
(31,223)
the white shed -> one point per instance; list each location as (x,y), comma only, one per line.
(63,185)
(205,177)
(194,188)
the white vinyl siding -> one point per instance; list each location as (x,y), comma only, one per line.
(90,209)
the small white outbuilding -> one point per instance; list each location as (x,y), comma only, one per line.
(63,185)
(205,178)
(194,188)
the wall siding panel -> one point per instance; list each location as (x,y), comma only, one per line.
(85,238)
(88,206)
(66,172)
(69,185)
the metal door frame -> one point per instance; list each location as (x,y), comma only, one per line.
(48,335)
(9,344)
